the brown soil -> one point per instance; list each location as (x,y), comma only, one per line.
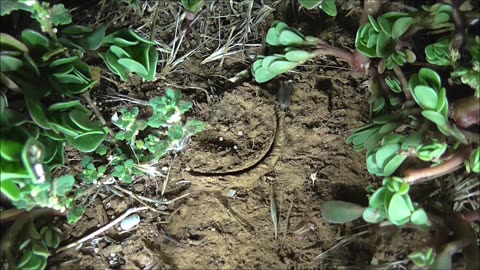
(249,146)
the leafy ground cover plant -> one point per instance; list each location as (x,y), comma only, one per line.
(413,117)
(49,71)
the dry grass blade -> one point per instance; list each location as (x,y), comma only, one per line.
(273,211)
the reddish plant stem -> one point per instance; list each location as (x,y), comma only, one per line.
(403,81)
(325,49)
(415,176)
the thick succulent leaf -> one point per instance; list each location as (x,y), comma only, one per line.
(429,77)
(398,209)
(341,212)
(384,154)
(290,38)
(34,40)
(94,40)
(393,164)
(63,61)
(435,117)
(112,63)
(297,56)
(9,63)
(121,42)
(88,141)
(152,64)
(279,67)
(37,112)
(133,66)
(263,75)
(401,26)
(426,97)
(9,42)
(373,215)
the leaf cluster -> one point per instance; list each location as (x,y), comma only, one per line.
(129,52)
(34,246)
(166,132)
(292,43)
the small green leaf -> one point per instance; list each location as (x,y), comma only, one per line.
(297,55)
(328,6)
(175,132)
(40,249)
(74,214)
(426,97)
(401,26)
(10,189)
(59,15)
(435,117)
(35,41)
(373,215)
(63,184)
(398,208)
(9,63)
(377,200)
(341,212)
(7,41)
(392,165)
(133,66)
(279,67)
(289,38)
(419,217)
(94,40)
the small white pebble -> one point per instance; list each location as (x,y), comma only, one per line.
(130,222)
(220,139)
(240,133)
(235,147)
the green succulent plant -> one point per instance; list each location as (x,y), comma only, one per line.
(379,38)
(438,53)
(428,93)
(422,258)
(328,6)
(128,52)
(34,246)
(295,53)
(390,202)
(370,135)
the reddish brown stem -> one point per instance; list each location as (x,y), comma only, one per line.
(342,54)
(415,176)
(403,81)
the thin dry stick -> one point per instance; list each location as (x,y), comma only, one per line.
(226,45)
(140,200)
(344,241)
(165,183)
(103,229)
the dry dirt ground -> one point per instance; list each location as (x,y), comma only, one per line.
(250,148)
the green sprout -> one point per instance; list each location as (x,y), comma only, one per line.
(328,6)
(422,258)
